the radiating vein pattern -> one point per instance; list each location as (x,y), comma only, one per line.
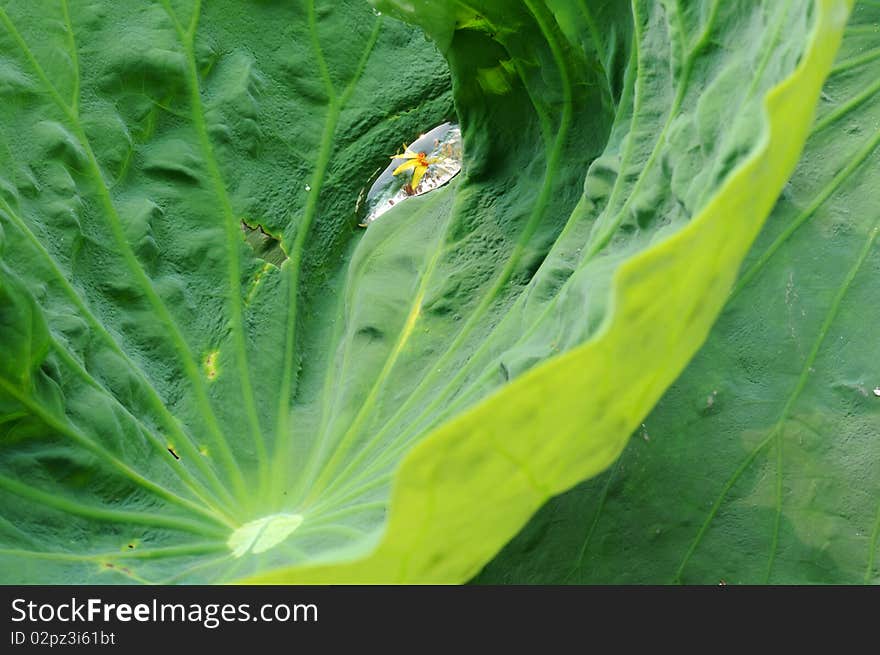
(141,337)
(170,398)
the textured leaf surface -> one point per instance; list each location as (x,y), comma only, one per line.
(762,463)
(174,406)
(140,319)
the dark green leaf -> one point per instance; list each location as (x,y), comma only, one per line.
(762,463)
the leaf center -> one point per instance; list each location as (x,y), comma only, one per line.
(263,534)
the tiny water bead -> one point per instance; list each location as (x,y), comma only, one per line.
(427,163)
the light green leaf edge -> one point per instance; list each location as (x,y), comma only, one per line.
(761,463)
(469,487)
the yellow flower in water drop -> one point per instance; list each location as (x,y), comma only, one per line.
(418,163)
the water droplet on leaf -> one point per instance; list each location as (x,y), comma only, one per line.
(439,149)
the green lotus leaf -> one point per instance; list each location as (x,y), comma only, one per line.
(210,373)
(760,465)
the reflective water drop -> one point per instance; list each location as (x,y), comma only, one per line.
(308,187)
(439,149)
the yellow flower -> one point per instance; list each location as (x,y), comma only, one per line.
(418,163)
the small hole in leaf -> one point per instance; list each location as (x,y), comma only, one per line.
(266,246)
